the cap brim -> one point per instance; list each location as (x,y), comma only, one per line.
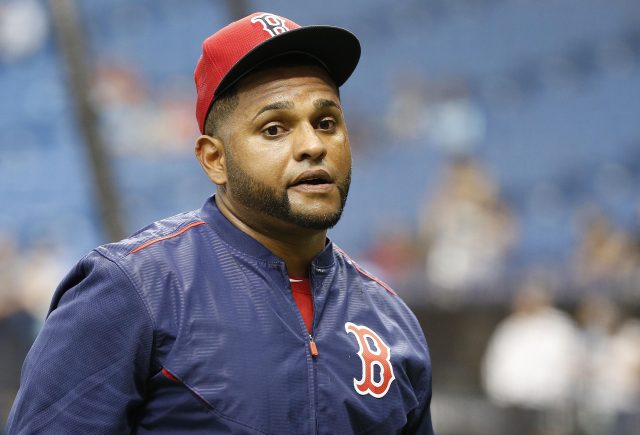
(337,49)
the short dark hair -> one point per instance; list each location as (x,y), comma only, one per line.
(226,103)
(221,108)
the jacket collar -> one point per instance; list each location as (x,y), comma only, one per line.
(241,241)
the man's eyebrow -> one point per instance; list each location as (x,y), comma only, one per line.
(278,105)
(321,103)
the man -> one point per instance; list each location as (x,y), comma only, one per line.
(240,317)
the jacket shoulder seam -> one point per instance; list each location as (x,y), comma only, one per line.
(171,235)
(133,285)
(364,272)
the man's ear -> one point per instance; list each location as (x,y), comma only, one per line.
(210,153)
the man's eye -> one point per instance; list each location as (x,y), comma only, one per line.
(272,130)
(326,124)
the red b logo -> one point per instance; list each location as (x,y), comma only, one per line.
(377,355)
(272,24)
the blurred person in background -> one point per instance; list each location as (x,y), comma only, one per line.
(40,264)
(136,122)
(467,230)
(606,256)
(17,324)
(530,363)
(608,384)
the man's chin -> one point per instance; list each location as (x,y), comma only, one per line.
(319,220)
(314,204)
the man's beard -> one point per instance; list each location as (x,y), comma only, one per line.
(256,195)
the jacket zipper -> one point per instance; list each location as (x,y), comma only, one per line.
(313,351)
(314,354)
(313,347)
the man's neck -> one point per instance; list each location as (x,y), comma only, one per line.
(296,246)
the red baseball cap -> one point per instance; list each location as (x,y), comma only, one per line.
(234,51)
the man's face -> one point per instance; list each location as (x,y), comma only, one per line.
(287,149)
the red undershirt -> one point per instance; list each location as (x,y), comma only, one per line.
(301,289)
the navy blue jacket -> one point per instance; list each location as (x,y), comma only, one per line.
(190,326)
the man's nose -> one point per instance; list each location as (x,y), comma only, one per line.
(308,144)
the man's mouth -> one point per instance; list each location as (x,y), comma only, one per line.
(313,177)
(313,180)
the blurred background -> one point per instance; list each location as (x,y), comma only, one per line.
(496,181)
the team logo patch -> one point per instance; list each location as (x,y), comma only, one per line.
(272,24)
(373,353)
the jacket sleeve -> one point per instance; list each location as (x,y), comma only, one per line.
(86,370)
(419,420)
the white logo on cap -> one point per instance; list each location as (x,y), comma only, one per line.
(272,24)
